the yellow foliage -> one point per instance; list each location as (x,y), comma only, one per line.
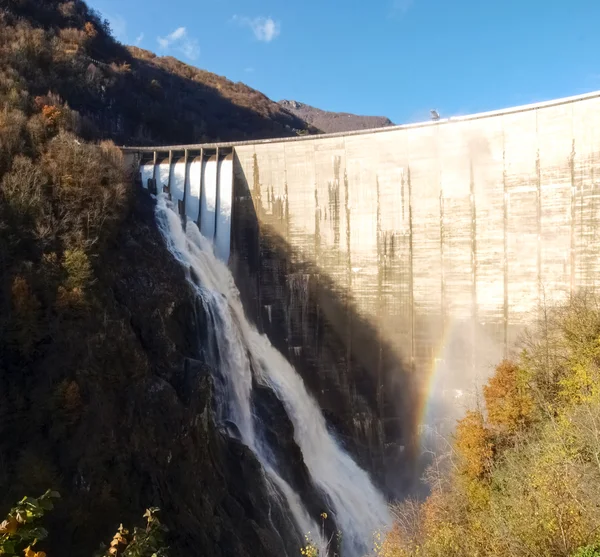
(582,384)
(9,526)
(309,550)
(78,268)
(28,552)
(392,544)
(474,445)
(538,494)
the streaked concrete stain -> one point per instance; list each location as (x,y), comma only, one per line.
(447,237)
(471,225)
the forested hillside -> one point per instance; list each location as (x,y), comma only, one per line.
(102,382)
(125,94)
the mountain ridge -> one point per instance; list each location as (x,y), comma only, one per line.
(332,122)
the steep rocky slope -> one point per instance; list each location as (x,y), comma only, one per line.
(331,122)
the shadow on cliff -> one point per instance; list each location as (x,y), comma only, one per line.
(368,394)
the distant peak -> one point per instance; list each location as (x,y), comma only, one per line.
(333,121)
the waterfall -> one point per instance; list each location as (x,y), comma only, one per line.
(239,351)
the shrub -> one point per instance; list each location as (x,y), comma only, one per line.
(78,269)
(588,551)
(21,531)
(537,494)
(148,541)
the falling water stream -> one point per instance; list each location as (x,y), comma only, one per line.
(238,352)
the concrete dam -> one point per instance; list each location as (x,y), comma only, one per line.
(425,248)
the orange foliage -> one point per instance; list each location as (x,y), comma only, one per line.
(90,30)
(508,402)
(474,444)
(51,114)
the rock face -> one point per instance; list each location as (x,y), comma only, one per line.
(145,436)
(210,486)
(330,122)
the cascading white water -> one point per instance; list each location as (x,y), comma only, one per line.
(358,507)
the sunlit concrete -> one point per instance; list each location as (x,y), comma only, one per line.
(447,236)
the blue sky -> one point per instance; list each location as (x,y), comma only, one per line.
(398,58)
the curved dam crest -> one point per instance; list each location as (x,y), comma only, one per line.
(447,238)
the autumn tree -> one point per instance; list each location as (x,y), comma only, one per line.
(507,398)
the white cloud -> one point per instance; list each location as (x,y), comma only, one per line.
(177,35)
(139,40)
(181,42)
(265,29)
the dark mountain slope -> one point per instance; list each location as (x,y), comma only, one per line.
(331,122)
(104,394)
(129,95)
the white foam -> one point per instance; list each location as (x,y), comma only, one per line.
(147,172)
(208,199)
(240,350)
(192,200)
(225,191)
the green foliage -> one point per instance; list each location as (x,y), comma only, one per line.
(21,530)
(588,551)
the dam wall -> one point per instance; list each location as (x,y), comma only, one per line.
(395,267)
(447,237)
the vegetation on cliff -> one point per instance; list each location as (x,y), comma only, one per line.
(22,532)
(523,476)
(104,396)
(128,95)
